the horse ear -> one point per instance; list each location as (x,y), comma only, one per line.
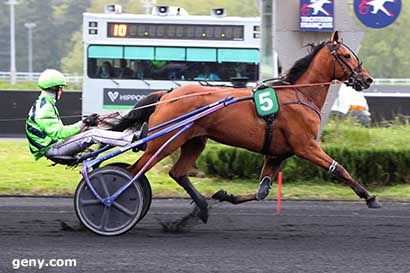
(335,37)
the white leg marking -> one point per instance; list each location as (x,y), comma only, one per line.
(332,167)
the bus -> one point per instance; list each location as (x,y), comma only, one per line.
(127,56)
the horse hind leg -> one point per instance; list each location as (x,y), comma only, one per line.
(271,167)
(190,152)
(152,148)
(317,156)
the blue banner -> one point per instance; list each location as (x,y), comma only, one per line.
(316,15)
(377,13)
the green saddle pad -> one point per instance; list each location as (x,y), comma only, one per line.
(266,101)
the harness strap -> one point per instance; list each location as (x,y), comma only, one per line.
(269,120)
(268,134)
(301,102)
(305,104)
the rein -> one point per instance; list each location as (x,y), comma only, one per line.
(117,114)
(269,120)
(103,118)
(224,91)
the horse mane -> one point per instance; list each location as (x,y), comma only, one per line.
(302,64)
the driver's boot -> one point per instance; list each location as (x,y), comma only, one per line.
(142,133)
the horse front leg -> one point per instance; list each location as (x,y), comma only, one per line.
(271,167)
(317,156)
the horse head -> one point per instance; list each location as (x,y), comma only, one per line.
(347,65)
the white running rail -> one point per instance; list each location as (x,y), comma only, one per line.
(72,78)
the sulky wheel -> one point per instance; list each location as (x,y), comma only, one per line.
(125,211)
(146,187)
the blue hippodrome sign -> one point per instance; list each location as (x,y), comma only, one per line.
(377,13)
(316,15)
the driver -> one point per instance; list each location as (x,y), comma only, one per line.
(48,136)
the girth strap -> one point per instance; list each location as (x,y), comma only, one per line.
(268,134)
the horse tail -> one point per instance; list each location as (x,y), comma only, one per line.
(136,117)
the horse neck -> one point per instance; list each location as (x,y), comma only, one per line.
(317,72)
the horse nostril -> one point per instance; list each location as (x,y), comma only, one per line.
(369,80)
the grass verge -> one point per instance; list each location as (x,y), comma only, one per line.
(21,175)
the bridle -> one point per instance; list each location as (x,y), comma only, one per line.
(352,74)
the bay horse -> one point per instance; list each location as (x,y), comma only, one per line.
(295,127)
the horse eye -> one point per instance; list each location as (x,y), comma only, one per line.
(347,56)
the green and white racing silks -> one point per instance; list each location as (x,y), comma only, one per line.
(44,127)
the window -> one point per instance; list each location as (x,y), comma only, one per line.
(238,55)
(139,53)
(201,54)
(170,54)
(172,63)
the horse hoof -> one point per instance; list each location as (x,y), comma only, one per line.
(220,195)
(203,215)
(264,188)
(372,203)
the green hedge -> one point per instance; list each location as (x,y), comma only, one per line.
(368,165)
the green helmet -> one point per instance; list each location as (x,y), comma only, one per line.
(50,78)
